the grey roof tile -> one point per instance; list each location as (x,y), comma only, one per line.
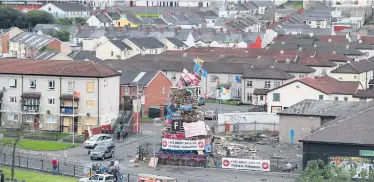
(72,7)
(129,74)
(355,67)
(120,44)
(176,42)
(84,55)
(266,73)
(46,55)
(103,18)
(260,91)
(146,42)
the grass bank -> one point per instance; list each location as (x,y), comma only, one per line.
(38,145)
(30,176)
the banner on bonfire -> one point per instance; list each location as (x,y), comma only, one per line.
(183,144)
(194,129)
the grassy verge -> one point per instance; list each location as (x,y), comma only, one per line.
(39,145)
(227,102)
(297,5)
(36,176)
(147,15)
(147,119)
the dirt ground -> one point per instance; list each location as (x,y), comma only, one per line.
(265,146)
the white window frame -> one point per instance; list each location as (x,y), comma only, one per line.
(51,101)
(13,83)
(274,97)
(32,84)
(127,90)
(277,84)
(230,78)
(249,83)
(14,98)
(51,82)
(29,118)
(12,117)
(163,89)
(320,97)
(71,85)
(267,84)
(51,119)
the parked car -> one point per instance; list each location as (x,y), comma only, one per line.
(95,140)
(103,151)
(212,115)
(99,178)
(201,100)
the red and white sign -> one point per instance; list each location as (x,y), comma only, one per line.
(183,144)
(254,165)
(174,136)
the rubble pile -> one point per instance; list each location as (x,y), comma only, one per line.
(258,146)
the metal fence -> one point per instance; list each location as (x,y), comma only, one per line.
(245,127)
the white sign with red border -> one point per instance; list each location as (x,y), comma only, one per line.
(254,165)
(183,144)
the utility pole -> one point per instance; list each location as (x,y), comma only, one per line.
(137,124)
(73,113)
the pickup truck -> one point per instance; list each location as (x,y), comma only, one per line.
(99,178)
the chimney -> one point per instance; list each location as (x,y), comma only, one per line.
(118,10)
(221,29)
(148,29)
(300,48)
(347,46)
(105,11)
(228,32)
(311,34)
(358,36)
(282,51)
(162,30)
(347,36)
(287,60)
(329,40)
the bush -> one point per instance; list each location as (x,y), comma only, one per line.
(77,139)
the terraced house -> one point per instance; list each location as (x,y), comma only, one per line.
(40,93)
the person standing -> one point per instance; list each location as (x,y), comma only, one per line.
(54,166)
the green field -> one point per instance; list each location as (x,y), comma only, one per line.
(38,145)
(36,176)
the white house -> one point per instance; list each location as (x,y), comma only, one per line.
(67,10)
(173,43)
(145,45)
(90,44)
(282,97)
(41,92)
(99,20)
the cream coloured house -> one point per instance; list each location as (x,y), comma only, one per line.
(173,43)
(40,93)
(361,71)
(114,49)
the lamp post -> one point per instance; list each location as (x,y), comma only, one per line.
(73,116)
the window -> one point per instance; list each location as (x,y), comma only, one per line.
(276,84)
(13,83)
(213,78)
(249,83)
(336,98)
(163,89)
(51,101)
(90,87)
(320,97)
(71,85)
(12,117)
(32,83)
(355,77)
(51,85)
(105,82)
(29,118)
(111,53)
(173,77)
(13,99)
(276,97)
(261,97)
(49,9)
(267,84)
(301,76)
(127,90)
(345,98)
(249,97)
(366,54)
(51,120)
(90,103)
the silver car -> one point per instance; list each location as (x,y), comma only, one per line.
(212,115)
(96,140)
(103,151)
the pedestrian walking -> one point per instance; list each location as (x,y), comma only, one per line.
(118,135)
(106,131)
(126,132)
(102,131)
(54,166)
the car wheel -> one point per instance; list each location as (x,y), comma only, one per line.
(91,158)
(103,157)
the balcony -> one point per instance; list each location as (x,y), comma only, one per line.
(68,111)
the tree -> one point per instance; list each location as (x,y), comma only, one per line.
(318,171)
(64,21)
(62,35)
(10,17)
(35,17)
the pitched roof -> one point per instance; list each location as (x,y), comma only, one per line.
(120,45)
(46,55)
(325,108)
(364,94)
(353,127)
(325,78)
(260,91)
(30,39)
(103,18)
(56,68)
(71,7)
(355,67)
(315,61)
(83,56)
(267,73)
(176,42)
(128,76)
(146,42)
(331,87)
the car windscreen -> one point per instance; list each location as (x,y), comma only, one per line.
(93,138)
(97,149)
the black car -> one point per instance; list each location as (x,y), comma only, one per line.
(103,151)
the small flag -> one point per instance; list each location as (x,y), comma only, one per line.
(237,79)
(200,61)
(197,68)
(205,73)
